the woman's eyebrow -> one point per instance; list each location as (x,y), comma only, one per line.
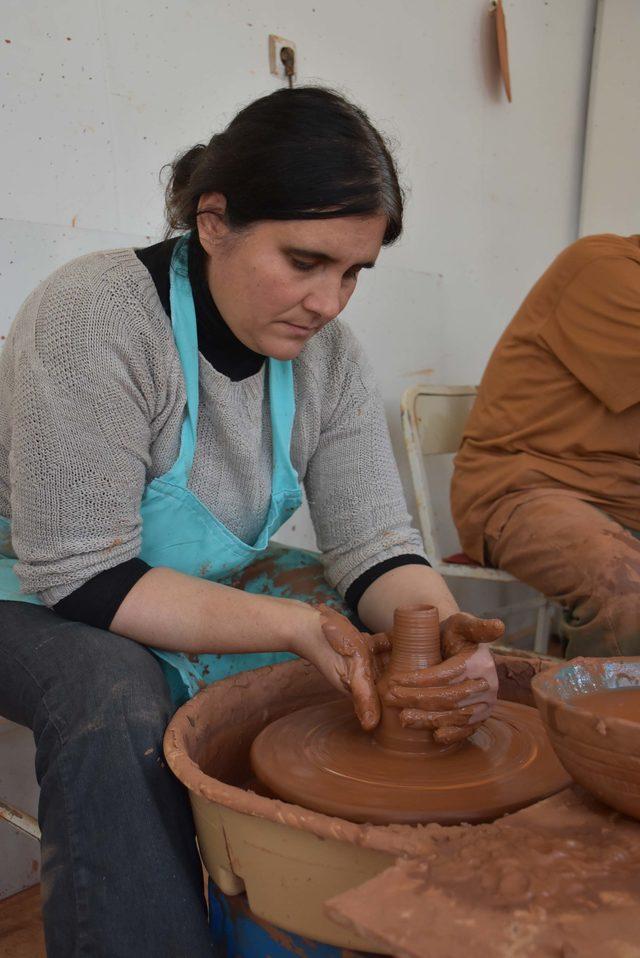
(322,257)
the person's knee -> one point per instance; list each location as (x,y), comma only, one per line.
(110,683)
(620,615)
(606,615)
(611,566)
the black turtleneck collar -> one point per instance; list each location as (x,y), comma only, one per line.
(216,342)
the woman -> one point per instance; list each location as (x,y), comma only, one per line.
(159,408)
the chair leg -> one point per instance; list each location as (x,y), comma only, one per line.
(21,820)
(543,628)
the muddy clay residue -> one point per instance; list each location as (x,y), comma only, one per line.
(275,575)
(515,673)
(559,879)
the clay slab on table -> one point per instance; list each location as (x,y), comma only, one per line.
(560,879)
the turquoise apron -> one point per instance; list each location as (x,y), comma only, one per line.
(178,531)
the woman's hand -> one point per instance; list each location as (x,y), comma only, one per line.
(454,697)
(349,659)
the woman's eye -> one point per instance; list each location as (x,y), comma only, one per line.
(301,265)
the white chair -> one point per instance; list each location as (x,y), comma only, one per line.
(19,856)
(12,745)
(433,420)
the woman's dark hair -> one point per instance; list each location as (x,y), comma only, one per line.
(298,154)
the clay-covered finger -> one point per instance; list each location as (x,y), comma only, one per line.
(436,675)
(481,698)
(365,697)
(379,642)
(472,629)
(435,699)
(486,630)
(481,711)
(417,718)
(380,664)
(451,734)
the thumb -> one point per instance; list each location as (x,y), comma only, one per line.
(469,628)
(462,632)
(486,630)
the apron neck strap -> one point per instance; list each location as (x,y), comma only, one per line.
(183,321)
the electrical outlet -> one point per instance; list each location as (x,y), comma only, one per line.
(276,66)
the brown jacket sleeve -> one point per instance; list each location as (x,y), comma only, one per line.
(595,330)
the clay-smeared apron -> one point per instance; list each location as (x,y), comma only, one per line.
(178,531)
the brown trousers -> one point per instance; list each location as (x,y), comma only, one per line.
(585,560)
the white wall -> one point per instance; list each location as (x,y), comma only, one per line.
(98,94)
(494,186)
(611,186)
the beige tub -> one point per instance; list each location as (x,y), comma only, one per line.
(288,860)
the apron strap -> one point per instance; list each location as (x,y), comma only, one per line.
(185,332)
(283,410)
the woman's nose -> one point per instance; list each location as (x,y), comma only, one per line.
(325,300)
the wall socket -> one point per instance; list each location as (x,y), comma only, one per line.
(276,66)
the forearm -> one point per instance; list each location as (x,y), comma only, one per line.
(406,585)
(182,613)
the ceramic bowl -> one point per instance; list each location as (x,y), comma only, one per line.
(602,756)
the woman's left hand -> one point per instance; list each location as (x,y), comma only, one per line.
(430,698)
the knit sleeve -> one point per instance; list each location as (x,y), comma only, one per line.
(352,483)
(86,364)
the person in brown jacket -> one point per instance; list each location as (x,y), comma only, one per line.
(547,480)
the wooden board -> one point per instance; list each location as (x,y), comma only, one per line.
(21,934)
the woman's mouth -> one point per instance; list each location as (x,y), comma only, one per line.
(298,330)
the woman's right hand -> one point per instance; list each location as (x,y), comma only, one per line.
(348,659)
(453,698)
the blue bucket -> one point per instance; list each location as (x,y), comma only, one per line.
(238,933)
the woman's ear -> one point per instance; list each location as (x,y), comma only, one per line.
(211,221)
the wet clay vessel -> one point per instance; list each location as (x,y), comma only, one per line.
(321,759)
(591,709)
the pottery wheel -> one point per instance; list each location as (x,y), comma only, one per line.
(320,758)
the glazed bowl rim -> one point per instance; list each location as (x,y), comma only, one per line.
(545,689)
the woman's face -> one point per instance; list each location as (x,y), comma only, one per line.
(276,283)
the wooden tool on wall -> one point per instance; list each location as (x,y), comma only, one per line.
(503,51)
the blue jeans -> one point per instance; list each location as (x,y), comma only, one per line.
(121,876)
